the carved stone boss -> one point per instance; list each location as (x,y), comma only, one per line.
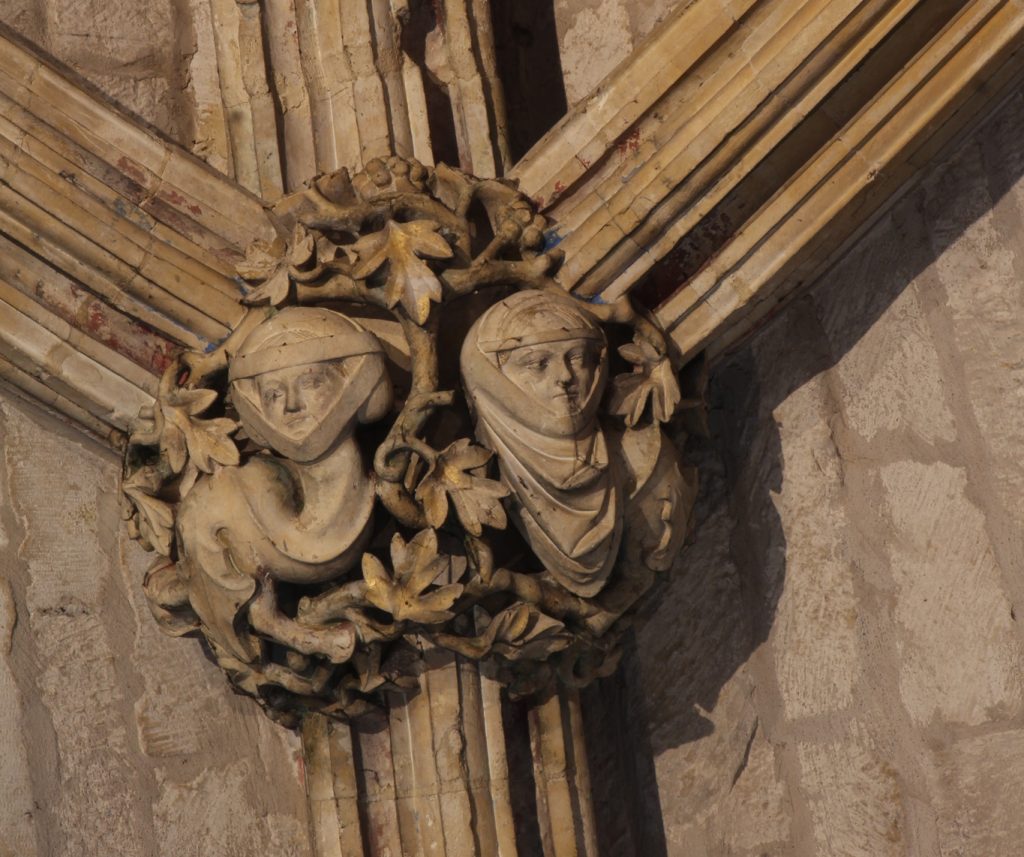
(414,442)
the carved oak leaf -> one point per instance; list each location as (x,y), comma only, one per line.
(205,442)
(303,246)
(519,632)
(651,379)
(417,565)
(456,474)
(274,291)
(267,264)
(402,247)
(398,671)
(155,517)
(522,632)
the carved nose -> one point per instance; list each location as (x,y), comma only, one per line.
(292,401)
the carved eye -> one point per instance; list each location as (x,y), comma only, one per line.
(540,365)
(272,394)
(312,381)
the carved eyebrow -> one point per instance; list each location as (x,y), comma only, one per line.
(532,356)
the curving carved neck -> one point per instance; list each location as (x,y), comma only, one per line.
(321,507)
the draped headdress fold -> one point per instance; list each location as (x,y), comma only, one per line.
(566,491)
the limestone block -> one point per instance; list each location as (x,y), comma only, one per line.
(24,16)
(152,96)
(756,814)
(892,378)
(752,818)
(700,774)
(978,789)
(215,814)
(99,35)
(979,268)
(814,638)
(17,833)
(959,658)
(854,797)
(592,42)
(645,15)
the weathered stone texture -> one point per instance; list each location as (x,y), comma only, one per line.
(977,786)
(134,51)
(594,36)
(866,504)
(114,739)
(948,598)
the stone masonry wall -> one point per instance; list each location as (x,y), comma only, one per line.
(136,52)
(114,739)
(837,670)
(594,36)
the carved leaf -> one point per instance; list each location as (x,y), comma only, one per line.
(188,480)
(522,632)
(402,247)
(519,632)
(303,246)
(457,475)
(155,517)
(652,379)
(405,595)
(205,442)
(274,291)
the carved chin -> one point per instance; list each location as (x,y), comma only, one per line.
(564,405)
(298,428)
(305,440)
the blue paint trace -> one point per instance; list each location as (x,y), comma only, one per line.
(552,239)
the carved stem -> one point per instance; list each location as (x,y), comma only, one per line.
(550,599)
(336,643)
(530,273)
(352,218)
(392,458)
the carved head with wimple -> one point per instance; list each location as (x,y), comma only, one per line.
(552,351)
(303,377)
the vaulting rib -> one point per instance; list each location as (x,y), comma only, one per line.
(116,247)
(720,167)
(738,150)
(789,242)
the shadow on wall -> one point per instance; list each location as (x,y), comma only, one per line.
(699,628)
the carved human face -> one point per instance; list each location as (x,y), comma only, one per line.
(559,375)
(296,400)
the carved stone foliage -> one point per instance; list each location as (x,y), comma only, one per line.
(415,442)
